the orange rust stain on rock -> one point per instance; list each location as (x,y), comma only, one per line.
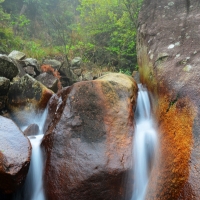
(45,96)
(175,143)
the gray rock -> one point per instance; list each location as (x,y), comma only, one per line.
(49,81)
(34,63)
(67,72)
(20,64)
(31,62)
(30,70)
(32,129)
(15,151)
(76,62)
(17,55)
(7,68)
(4,86)
(77,72)
(87,76)
(26,95)
(53,63)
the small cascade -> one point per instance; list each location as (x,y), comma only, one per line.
(144,145)
(33,187)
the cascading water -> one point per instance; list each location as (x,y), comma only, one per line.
(145,143)
(33,187)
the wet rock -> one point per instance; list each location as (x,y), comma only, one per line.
(17,55)
(88,140)
(168,58)
(4,85)
(49,81)
(76,62)
(32,129)
(25,95)
(7,68)
(53,63)
(15,152)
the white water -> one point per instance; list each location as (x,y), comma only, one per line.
(145,143)
(33,187)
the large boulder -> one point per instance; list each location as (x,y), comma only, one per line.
(88,140)
(15,152)
(169,65)
(26,95)
(7,68)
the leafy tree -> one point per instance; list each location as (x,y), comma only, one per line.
(111,24)
(3,16)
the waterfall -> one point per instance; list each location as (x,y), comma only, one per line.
(33,187)
(144,144)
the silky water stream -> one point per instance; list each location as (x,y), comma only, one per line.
(33,187)
(144,148)
(144,144)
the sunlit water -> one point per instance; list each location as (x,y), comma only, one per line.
(144,145)
(33,187)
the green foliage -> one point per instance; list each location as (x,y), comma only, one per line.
(8,41)
(3,16)
(97,30)
(125,71)
(21,21)
(111,24)
(34,49)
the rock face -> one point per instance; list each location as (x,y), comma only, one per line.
(7,67)
(168,56)
(88,140)
(15,152)
(27,94)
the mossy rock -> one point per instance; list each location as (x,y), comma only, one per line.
(7,67)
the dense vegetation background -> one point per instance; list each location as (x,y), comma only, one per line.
(99,31)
